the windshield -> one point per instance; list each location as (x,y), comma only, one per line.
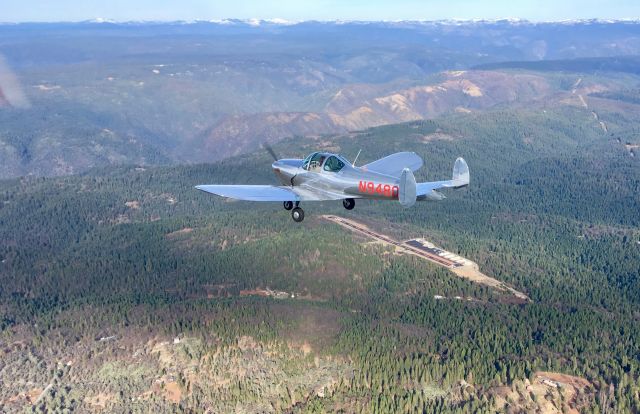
(314,161)
(305,162)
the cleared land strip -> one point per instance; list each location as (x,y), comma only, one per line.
(459,265)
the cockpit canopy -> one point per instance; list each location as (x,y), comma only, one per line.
(323,161)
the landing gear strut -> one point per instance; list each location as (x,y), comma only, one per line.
(297,214)
(288,205)
(349,203)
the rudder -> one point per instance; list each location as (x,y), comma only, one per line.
(461,175)
(407,188)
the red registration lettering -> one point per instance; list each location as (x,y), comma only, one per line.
(373,188)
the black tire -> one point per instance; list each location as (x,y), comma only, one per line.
(349,203)
(297,214)
(288,205)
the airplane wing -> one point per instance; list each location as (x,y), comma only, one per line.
(394,164)
(251,192)
(271,193)
(460,179)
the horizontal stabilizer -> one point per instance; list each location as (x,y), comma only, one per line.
(460,178)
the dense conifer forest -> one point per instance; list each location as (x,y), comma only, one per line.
(127,290)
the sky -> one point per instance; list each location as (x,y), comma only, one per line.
(295,10)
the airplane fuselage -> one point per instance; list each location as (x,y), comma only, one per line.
(352,181)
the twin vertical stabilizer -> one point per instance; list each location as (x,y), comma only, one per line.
(460,173)
(407,188)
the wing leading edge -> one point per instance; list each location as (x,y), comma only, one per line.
(251,192)
(271,193)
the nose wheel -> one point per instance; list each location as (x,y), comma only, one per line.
(349,203)
(297,214)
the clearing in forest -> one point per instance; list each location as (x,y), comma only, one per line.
(459,265)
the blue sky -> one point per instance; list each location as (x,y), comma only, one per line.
(74,10)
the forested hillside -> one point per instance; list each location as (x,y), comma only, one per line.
(127,290)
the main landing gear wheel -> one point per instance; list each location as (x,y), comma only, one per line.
(349,203)
(297,214)
(288,205)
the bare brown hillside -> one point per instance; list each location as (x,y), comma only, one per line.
(360,106)
(471,90)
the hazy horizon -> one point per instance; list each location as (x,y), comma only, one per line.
(279,20)
(323,10)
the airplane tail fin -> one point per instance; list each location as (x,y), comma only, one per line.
(461,175)
(407,188)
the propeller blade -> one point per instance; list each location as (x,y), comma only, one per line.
(270,151)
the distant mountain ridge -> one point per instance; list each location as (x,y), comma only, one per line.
(105,93)
(359,107)
(625,64)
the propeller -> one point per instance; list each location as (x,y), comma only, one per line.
(270,151)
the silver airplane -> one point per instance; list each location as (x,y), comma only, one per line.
(323,176)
